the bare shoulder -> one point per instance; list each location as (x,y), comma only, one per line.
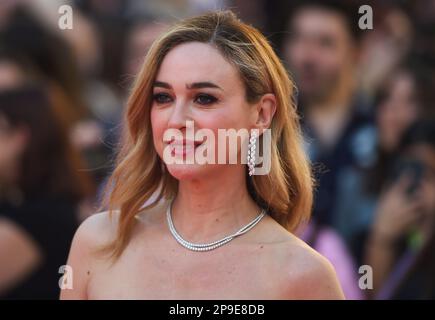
(97,230)
(101,228)
(310,275)
(305,274)
(92,235)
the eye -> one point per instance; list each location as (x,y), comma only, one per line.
(205,99)
(162,98)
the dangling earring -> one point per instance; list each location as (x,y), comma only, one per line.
(251,152)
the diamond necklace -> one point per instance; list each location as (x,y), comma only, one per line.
(214,244)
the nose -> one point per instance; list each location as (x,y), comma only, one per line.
(179,115)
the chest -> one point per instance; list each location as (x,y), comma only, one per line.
(176,273)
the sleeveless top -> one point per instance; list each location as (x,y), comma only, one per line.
(51,223)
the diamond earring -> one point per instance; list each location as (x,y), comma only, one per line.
(251,152)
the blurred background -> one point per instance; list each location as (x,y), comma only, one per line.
(365,98)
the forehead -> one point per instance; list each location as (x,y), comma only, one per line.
(195,62)
(314,20)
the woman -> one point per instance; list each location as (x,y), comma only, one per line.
(53,61)
(400,102)
(221,74)
(401,241)
(39,193)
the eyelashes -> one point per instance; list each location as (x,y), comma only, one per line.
(201,99)
(162,98)
(205,99)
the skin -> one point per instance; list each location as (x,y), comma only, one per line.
(398,111)
(10,75)
(321,53)
(267,262)
(12,144)
(19,253)
(139,41)
(399,212)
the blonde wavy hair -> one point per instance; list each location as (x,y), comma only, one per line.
(286,192)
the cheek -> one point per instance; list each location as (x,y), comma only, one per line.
(215,121)
(158,126)
(233,118)
(411,112)
(9,151)
(429,194)
(296,54)
(387,116)
(332,65)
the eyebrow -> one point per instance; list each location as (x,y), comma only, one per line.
(195,85)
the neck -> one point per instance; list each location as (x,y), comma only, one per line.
(213,207)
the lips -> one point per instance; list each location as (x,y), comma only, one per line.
(183,147)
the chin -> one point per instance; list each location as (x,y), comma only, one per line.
(188,171)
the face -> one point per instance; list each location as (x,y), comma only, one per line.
(397,111)
(139,42)
(319,51)
(10,75)
(12,145)
(195,83)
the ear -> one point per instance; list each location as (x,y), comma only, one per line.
(266,109)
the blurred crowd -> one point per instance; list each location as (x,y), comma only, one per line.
(366,99)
